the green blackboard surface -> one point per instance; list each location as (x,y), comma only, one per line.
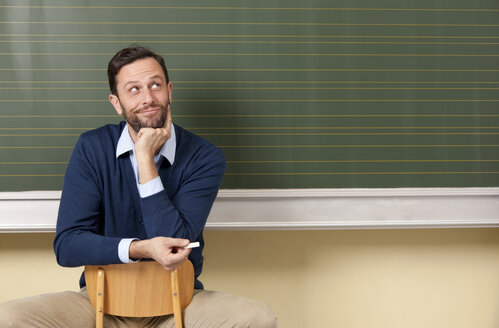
(315,94)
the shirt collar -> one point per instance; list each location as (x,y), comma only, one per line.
(125,145)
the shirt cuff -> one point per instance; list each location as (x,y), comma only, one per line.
(150,187)
(124,250)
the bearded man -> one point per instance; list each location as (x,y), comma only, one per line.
(140,189)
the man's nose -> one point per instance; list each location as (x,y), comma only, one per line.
(147,97)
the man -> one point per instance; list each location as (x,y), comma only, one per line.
(141,189)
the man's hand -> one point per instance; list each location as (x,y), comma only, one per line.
(169,252)
(148,143)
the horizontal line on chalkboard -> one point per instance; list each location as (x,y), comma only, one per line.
(270,82)
(311,82)
(273,134)
(40,135)
(245,54)
(327,54)
(36,147)
(252,36)
(32,163)
(368,161)
(247,42)
(334,100)
(333,69)
(282,173)
(270,134)
(329,70)
(323,134)
(276,82)
(257,88)
(274,69)
(283,128)
(313,54)
(267,115)
(285,146)
(57,128)
(31,175)
(249,23)
(314,88)
(251,8)
(310,161)
(57,53)
(55,69)
(265,100)
(326,127)
(99,82)
(358,173)
(58,88)
(350,146)
(52,116)
(54,100)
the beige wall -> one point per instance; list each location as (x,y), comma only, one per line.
(370,278)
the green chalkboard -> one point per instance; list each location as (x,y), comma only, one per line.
(298,94)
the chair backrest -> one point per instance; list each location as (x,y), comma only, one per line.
(142,289)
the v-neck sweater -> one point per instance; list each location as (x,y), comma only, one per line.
(100,204)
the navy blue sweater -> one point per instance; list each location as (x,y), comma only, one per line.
(100,203)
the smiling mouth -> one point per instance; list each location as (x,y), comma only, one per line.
(149,110)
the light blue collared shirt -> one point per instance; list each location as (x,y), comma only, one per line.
(125,145)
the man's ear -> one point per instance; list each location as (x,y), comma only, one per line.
(113,99)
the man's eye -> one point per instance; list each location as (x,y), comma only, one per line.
(134,89)
(156,85)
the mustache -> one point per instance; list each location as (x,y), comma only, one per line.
(148,107)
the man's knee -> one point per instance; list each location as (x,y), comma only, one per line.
(12,314)
(216,309)
(62,309)
(257,314)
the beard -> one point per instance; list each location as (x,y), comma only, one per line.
(137,123)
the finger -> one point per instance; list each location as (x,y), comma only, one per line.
(168,113)
(143,131)
(178,242)
(169,242)
(175,259)
(183,251)
(179,257)
(168,120)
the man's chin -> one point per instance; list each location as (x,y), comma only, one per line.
(151,124)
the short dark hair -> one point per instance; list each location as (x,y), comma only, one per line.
(127,56)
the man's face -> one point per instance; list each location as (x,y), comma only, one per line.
(143,96)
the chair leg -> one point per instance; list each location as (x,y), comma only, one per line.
(177,309)
(99,305)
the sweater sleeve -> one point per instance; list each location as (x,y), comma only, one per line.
(185,214)
(79,236)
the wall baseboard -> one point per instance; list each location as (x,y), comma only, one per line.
(284,209)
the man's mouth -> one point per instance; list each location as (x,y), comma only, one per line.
(149,110)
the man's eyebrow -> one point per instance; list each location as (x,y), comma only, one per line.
(151,78)
(130,82)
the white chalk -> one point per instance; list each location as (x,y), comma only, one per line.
(192,245)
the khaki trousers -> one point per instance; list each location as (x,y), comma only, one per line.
(73,309)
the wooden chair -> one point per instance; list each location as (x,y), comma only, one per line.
(142,289)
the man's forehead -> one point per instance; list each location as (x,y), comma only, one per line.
(141,69)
